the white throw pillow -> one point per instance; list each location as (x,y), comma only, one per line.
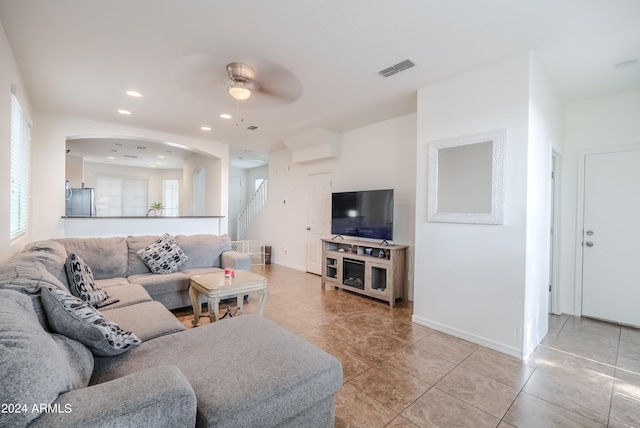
(164,255)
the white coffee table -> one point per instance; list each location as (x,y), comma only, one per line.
(217,286)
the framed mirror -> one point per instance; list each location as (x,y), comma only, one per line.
(466,179)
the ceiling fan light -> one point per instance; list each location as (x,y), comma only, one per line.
(239,92)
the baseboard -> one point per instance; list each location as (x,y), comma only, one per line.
(300,268)
(478,340)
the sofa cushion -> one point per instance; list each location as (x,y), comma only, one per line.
(51,254)
(135,264)
(73,318)
(107,283)
(81,283)
(28,276)
(106,256)
(35,366)
(146,320)
(203,250)
(159,284)
(163,256)
(278,374)
(125,295)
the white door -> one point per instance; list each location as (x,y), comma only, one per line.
(318,218)
(235,203)
(552,214)
(611,237)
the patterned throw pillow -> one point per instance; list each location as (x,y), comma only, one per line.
(75,319)
(164,255)
(81,282)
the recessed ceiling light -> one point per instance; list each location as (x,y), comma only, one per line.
(626,64)
(134,94)
(161,156)
(152,166)
(110,157)
(225,116)
(124,112)
(205,128)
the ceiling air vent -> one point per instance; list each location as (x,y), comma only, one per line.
(253,128)
(401,66)
(140,147)
(131,156)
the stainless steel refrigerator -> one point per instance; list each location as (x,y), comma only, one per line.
(80,203)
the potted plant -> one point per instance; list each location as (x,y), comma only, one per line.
(156,206)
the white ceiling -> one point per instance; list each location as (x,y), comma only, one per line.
(128,152)
(320,58)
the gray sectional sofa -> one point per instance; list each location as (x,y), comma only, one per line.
(245,371)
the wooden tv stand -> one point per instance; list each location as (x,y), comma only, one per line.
(372,269)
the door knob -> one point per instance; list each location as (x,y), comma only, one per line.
(308,228)
(589,232)
(589,244)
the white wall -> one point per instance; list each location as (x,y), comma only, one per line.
(472,280)
(378,156)
(545,134)
(215,192)
(608,121)
(9,75)
(48,138)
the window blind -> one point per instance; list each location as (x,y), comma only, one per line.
(170,197)
(118,196)
(20,162)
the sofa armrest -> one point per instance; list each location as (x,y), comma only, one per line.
(158,397)
(236,260)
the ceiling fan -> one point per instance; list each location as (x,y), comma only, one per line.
(240,83)
(213,76)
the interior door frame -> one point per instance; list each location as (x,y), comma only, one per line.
(582,157)
(556,159)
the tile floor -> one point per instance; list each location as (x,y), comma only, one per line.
(399,374)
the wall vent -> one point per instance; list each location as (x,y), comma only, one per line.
(397,68)
(253,128)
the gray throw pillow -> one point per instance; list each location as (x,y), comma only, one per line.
(81,282)
(73,318)
(164,255)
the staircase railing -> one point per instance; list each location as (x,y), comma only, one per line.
(246,217)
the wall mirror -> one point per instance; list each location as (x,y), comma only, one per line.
(466,179)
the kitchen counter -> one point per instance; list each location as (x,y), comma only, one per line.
(147,217)
(152,225)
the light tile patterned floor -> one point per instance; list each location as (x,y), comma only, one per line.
(399,374)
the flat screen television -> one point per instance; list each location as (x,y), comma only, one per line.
(365,214)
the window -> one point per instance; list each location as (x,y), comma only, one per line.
(118,196)
(20,155)
(257,182)
(170,197)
